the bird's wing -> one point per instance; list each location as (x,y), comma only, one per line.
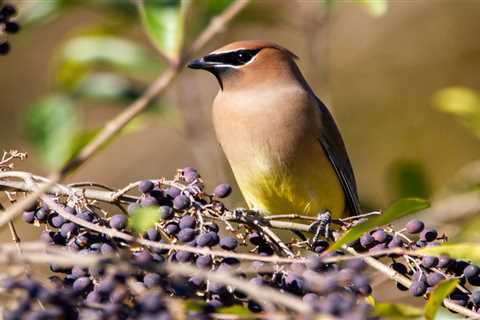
(333,145)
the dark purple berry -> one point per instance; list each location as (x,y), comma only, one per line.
(184,256)
(380,235)
(429,235)
(367,240)
(320,246)
(149,201)
(471,271)
(190,175)
(444,261)
(28,216)
(187,222)
(172,228)
(228,243)
(173,192)
(152,234)
(8,10)
(151,280)
(414,226)
(82,284)
(86,215)
(204,262)
(41,215)
(118,221)
(186,235)
(205,239)
(396,242)
(434,278)
(475,297)
(222,190)
(418,288)
(145,186)
(429,261)
(166,212)
(12,27)
(181,202)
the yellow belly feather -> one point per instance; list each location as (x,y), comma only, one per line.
(308,186)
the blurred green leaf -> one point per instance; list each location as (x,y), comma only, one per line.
(143,219)
(459,101)
(81,54)
(396,311)
(41,11)
(463,251)
(408,179)
(376,8)
(164,21)
(104,86)
(51,126)
(463,103)
(396,211)
(438,294)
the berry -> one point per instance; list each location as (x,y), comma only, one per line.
(222,190)
(82,284)
(181,202)
(429,261)
(145,186)
(186,235)
(367,240)
(166,212)
(380,235)
(434,278)
(428,235)
(187,222)
(228,243)
(28,216)
(12,27)
(418,288)
(475,297)
(118,221)
(414,226)
(471,271)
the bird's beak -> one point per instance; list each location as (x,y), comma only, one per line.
(201,64)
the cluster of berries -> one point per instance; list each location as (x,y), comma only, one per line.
(7,26)
(189,216)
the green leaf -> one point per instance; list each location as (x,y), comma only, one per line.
(376,8)
(51,125)
(458,101)
(104,86)
(396,311)
(164,21)
(81,54)
(439,293)
(462,251)
(397,210)
(463,103)
(408,179)
(143,219)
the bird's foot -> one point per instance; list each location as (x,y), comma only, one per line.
(321,227)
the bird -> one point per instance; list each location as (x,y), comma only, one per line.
(280,140)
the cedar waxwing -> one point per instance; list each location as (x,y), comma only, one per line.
(281,141)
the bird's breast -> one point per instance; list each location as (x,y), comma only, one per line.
(270,141)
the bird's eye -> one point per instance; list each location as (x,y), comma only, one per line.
(235,58)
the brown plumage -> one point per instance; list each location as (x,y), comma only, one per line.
(281,141)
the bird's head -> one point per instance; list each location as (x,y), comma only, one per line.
(248,63)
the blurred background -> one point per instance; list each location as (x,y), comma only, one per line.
(401,78)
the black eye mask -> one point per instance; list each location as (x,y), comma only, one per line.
(234,58)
